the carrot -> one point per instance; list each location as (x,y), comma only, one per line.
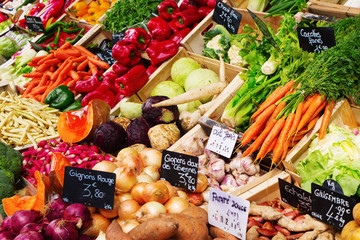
(272,145)
(30,87)
(35,60)
(274,97)
(79,59)
(82,66)
(316,103)
(48,57)
(326,118)
(84,51)
(93,68)
(38,97)
(65,46)
(62,55)
(99,63)
(74,75)
(33,80)
(63,74)
(303,131)
(278,149)
(86,77)
(270,137)
(43,67)
(308,102)
(73,52)
(52,69)
(57,72)
(44,79)
(278,109)
(293,143)
(83,73)
(67,81)
(312,123)
(297,137)
(71,84)
(258,125)
(33,74)
(30,96)
(38,90)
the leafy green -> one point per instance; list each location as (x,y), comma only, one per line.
(8,47)
(126,13)
(334,157)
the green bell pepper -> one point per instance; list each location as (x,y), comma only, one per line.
(60,98)
(74,106)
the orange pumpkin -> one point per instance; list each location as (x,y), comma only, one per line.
(57,171)
(78,125)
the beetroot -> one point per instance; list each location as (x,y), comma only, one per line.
(137,132)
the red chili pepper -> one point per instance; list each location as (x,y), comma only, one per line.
(204,11)
(167,9)
(180,35)
(151,69)
(159,29)
(137,36)
(187,17)
(87,86)
(161,51)
(211,3)
(173,27)
(119,69)
(36,9)
(186,4)
(132,81)
(102,92)
(126,53)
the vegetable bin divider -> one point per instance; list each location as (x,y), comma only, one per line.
(331,9)
(163,72)
(94,36)
(194,42)
(343,114)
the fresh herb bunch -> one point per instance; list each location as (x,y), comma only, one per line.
(279,7)
(126,13)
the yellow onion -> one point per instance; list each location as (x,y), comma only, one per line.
(137,192)
(156,191)
(125,179)
(150,210)
(127,209)
(176,205)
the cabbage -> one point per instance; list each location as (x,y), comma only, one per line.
(167,88)
(337,157)
(8,47)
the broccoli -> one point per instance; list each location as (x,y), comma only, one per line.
(7,177)
(10,159)
(2,211)
(6,190)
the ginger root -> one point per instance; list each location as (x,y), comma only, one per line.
(311,235)
(252,234)
(325,236)
(266,212)
(309,224)
(279,236)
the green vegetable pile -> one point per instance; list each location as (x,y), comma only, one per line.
(127,13)
(10,167)
(8,47)
(334,157)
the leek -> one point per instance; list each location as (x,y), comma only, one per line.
(270,66)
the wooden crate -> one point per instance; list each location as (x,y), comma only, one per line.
(163,72)
(343,114)
(194,42)
(95,36)
(331,9)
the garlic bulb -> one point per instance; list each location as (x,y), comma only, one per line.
(194,145)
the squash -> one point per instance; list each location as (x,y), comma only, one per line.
(57,171)
(356,213)
(78,125)
(351,231)
(35,202)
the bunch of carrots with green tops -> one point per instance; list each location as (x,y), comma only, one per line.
(292,110)
(64,66)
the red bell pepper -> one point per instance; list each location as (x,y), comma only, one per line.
(173,27)
(180,35)
(161,51)
(211,3)
(159,29)
(132,81)
(201,2)
(204,11)
(86,86)
(151,69)
(109,81)
(103,92)
(187,17)
(167,9)
(186,4)
(126,54)
(137,36)
(119,69)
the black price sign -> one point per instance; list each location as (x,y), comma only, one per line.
(227,16)
(106,56)
(117,37)
(316,39)
(179,169)
(89,187)
(34,24)
(295,196)
(331,207)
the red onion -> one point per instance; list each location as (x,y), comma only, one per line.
(85,237)
(36,227)
(6,224)
(6,235)
(56,209)
(32,235)
(60,229)
(78,214)
(22,217)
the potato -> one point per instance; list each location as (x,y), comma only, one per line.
(155,229)
(198,213)
(356,213)
(189,227)
(220,234)
(114,232)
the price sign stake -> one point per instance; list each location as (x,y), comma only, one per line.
(228,212)
(316,39)
(179,169)
(221,141)
(34,24)
(89,187)
(227,16)
(331,207)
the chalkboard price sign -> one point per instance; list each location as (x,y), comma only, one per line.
(89,187)
(179,169)
(331,207)
(106,56)
(316,39)
(34,24)
(227,16)
(116,37)
(295,196)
